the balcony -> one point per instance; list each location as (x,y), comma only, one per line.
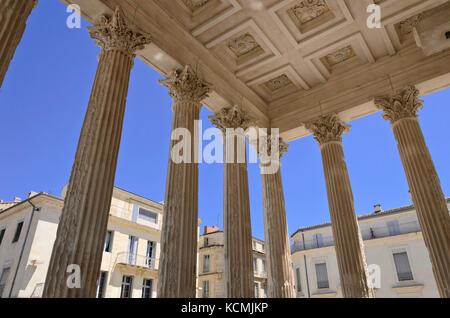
(260,274)
(138,261)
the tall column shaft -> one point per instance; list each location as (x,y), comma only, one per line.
(347,236)
(280,275)
(83,224)
(13,19)
(239,276)
(428,198)
(177,267)
(328,131)
(426,192)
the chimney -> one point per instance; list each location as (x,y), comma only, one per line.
(377,208)
(210,229)
(17,200)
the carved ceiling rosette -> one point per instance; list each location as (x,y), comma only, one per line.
(233,117)
(243,44)
(403,104)
(340,55)
(195,4)
(185,85)
(327,128)
(113,33)
(308,10)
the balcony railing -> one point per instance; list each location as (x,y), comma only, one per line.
(368,233)
(131,259)
(260,274)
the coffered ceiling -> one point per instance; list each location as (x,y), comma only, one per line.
(288,60)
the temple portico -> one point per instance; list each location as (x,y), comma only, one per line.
(294,66)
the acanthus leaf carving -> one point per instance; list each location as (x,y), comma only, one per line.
(233,117)
(403,104)
(327,128)
(113,33)
(185,85)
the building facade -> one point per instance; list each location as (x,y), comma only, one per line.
(397,258)
(211,280)
(131,251)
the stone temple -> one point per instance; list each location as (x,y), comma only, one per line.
(301,66)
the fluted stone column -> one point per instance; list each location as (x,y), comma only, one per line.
(280,279)
(13,20)
(426,192)
(328,131)
(239,276)
(177,267)
(83,224)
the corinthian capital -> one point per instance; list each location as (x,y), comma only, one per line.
(233,117)
(403,104)
(327,128)
(113,33)
(265,146)
(185,85)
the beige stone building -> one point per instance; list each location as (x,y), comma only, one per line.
(131,250)
(211,281)
(300,66)
(397,257)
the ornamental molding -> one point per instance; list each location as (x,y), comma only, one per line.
(114,34)
(405,103)
(185,85)
(327,128)
(233,117)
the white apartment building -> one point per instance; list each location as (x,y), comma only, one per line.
(131,251)
(211,283)
(396,255)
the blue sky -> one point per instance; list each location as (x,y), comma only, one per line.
(44,98)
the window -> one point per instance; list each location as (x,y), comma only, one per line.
(265,290)
(18,231)
(132,249)
(256,290)
(255,265)
(101,283)
(2,234)
(264,266)
(3,279)
(147,288)
(148,216)
(205,242)
(297,275)
(322,275)
(402,265)
(318,240)
(150,257)
(206,289)
(127,287)
(108,241)
(393,227)
(205,263)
